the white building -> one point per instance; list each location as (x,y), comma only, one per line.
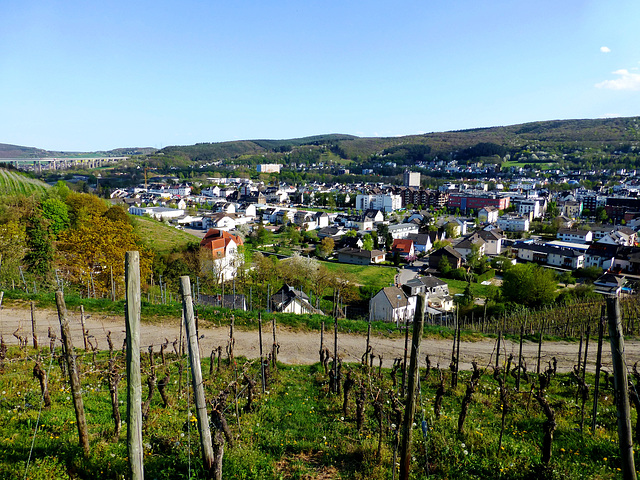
(269,168)
(386,203)
(512,223)
(391,304)
(159,213)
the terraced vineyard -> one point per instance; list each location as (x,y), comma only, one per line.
(12,183)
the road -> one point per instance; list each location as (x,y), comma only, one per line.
(296,347)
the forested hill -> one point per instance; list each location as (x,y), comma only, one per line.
(579,142)
(559,137)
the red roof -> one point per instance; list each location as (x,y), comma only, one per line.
(218,240)
(402,245)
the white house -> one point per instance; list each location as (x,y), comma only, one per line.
(385,202)
(488,214)
(391,304)
(221,257)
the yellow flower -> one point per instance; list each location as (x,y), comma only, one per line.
(605,459)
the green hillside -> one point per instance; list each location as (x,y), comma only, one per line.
(13,183)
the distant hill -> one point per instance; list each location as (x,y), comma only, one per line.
(17,151)
(578,141)
(561,136)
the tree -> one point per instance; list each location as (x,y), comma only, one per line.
(40,245)
(443,265)
(92,249)
(57,213)
(530,285)
(367,242)
(325,247)
(13,247)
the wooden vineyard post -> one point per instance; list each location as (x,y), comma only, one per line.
(519,359)
(498,349)
(539,350)
(335,354)
(196,374)
(275,347)
(74,378)
(33,326)
(134,377)
(84,332)
(621,386)
(412,387)
(261,355)
(596,386)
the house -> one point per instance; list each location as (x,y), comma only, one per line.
(391,304)
(291,300)
(488,214)
(220,220)
(513,223)
(492,241)
(402,230)
(421,241)
(466,246)
(221,258)
(549,255)
(609,284)
(404,247)
(448,252)
(574,236)
(358,256)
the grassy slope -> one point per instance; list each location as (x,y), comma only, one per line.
(365,274)
(160,237)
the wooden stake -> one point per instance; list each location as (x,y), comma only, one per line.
(134,377)
(74,378)
(33,326)
(412,388)
(596,387)
(621,386)
(196,374)
(84,332)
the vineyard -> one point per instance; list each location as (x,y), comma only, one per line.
(13,183)
(513,416)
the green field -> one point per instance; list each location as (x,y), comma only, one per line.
(369,275)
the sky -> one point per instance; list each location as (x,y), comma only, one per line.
(87,76)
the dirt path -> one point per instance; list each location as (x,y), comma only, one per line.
(296,347)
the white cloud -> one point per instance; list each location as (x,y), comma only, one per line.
(611,115)
(605,49)
(625,81)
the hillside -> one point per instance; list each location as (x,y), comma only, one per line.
(13,182)
(577,141)
(589,138)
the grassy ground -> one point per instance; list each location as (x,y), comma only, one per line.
(366,274)
(296,428)
(160,237)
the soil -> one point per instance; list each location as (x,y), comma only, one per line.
(298,347)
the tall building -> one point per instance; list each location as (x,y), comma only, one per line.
(411,179)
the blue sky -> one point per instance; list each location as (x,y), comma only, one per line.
(81,76)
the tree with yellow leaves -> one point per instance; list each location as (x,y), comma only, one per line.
(88,253)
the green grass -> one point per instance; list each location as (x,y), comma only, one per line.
(457,286)
(160,237)
(297,428)
(366,274)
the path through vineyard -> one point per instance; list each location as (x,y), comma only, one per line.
(298,347)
